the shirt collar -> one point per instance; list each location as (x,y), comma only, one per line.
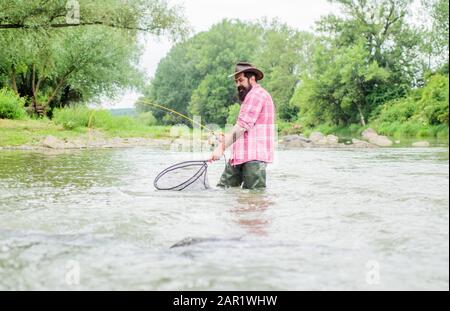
(255,87)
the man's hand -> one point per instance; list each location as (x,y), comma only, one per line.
(226,141)
(217,154)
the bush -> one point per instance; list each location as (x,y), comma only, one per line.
(103,119)
(147,118)
(11,105)
(422,107)
(434,101)
(72,117)
(288,128)
(412,129)
(233,113)
(81,116)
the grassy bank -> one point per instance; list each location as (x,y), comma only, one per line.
(21,132)
(71,123)
(29,132)
(80,117)
(77,122)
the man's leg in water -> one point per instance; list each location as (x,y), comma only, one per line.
(254,175)
(231,177)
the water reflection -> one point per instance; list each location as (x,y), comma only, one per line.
(250,211)
(82,169)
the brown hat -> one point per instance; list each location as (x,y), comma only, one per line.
(247,67)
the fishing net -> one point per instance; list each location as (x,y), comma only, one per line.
(190,175)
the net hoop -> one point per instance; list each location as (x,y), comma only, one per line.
(202,171)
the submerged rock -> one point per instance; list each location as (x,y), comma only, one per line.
(421,144)
(52,142)
(332,139)
(374,138)
(298,141)
(369,133)
(290,138)
(362,144)
(318,138)
(193,241)
(381,141)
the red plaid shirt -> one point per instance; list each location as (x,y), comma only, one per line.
(257,116)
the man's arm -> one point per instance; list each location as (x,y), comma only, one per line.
(229,139)
(248,114)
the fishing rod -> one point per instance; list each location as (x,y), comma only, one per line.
(202,164)
(218,136)
(148,103)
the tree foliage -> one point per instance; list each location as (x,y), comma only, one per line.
(51,60)
(426,106)
(363,57)
(436,37)
(153,16)
(368,55)
(193,78)
(286,53)
(337,91)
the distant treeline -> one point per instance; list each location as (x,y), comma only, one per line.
(371,62)
(365,64)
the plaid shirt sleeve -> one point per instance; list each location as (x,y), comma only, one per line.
(250,110)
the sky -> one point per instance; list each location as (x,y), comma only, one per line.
(202,14)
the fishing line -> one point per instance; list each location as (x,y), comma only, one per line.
(200,175)
(142,101)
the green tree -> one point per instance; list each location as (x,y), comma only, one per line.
(425,106)
(285,54)
(153,16)
(54,54)
(337,90)
(173,83)
(369,55)
(192,78)
(391,41)
(212,98)
(436,37)
(233,113)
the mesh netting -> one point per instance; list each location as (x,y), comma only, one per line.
(191,175)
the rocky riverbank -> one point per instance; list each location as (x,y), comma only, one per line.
(93,140)
(369,139)
(97,140)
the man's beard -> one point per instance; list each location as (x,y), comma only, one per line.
(242,92)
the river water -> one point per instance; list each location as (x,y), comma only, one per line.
(329,220)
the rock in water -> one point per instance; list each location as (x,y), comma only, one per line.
(318,138)
(372,136)
(422,144)
(367,134)
(332,139)
(193,241)
(297,141)
(52,142)
(362,144)
(381,141)
(291,138)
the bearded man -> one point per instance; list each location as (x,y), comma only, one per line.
(252,138)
